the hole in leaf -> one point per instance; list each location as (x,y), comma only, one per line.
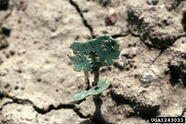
(97,87)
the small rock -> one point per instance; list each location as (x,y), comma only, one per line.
(165,101)
(123,59)
(111,19)
(146,80)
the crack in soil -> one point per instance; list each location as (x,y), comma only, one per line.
(85,22)
(159,55)
(151,46)
(8,15)
(5,105)
(41,110)
(164,49)
(5,32)
(175,5)
(147,45)
(120,35)
(184,110)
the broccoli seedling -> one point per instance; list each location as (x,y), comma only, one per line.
(91,56)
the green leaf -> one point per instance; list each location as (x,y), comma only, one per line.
(79,96)
(106,49)
(80,63)
(80,60)
(102,85)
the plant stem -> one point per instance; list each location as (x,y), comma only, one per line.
(96,75)
(87,79)
(95,68)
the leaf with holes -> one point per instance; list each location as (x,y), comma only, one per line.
(102,85)
(91,56)
(104,47)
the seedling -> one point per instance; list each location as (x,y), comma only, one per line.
(91,56)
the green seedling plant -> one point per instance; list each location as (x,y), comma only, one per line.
(91,56)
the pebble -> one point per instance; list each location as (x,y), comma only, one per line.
(146,80)
(111,18)
(123,59)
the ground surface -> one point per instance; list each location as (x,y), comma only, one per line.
(37,80)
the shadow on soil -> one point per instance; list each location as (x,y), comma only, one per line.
(97,117)
(143,111)
(175,75)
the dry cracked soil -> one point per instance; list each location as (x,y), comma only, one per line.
(37,81)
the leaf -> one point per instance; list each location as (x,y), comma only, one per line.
(79,96)
(80,59)
(106,49)
(80,63)
(103,85)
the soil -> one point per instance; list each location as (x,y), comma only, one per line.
(37,80)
